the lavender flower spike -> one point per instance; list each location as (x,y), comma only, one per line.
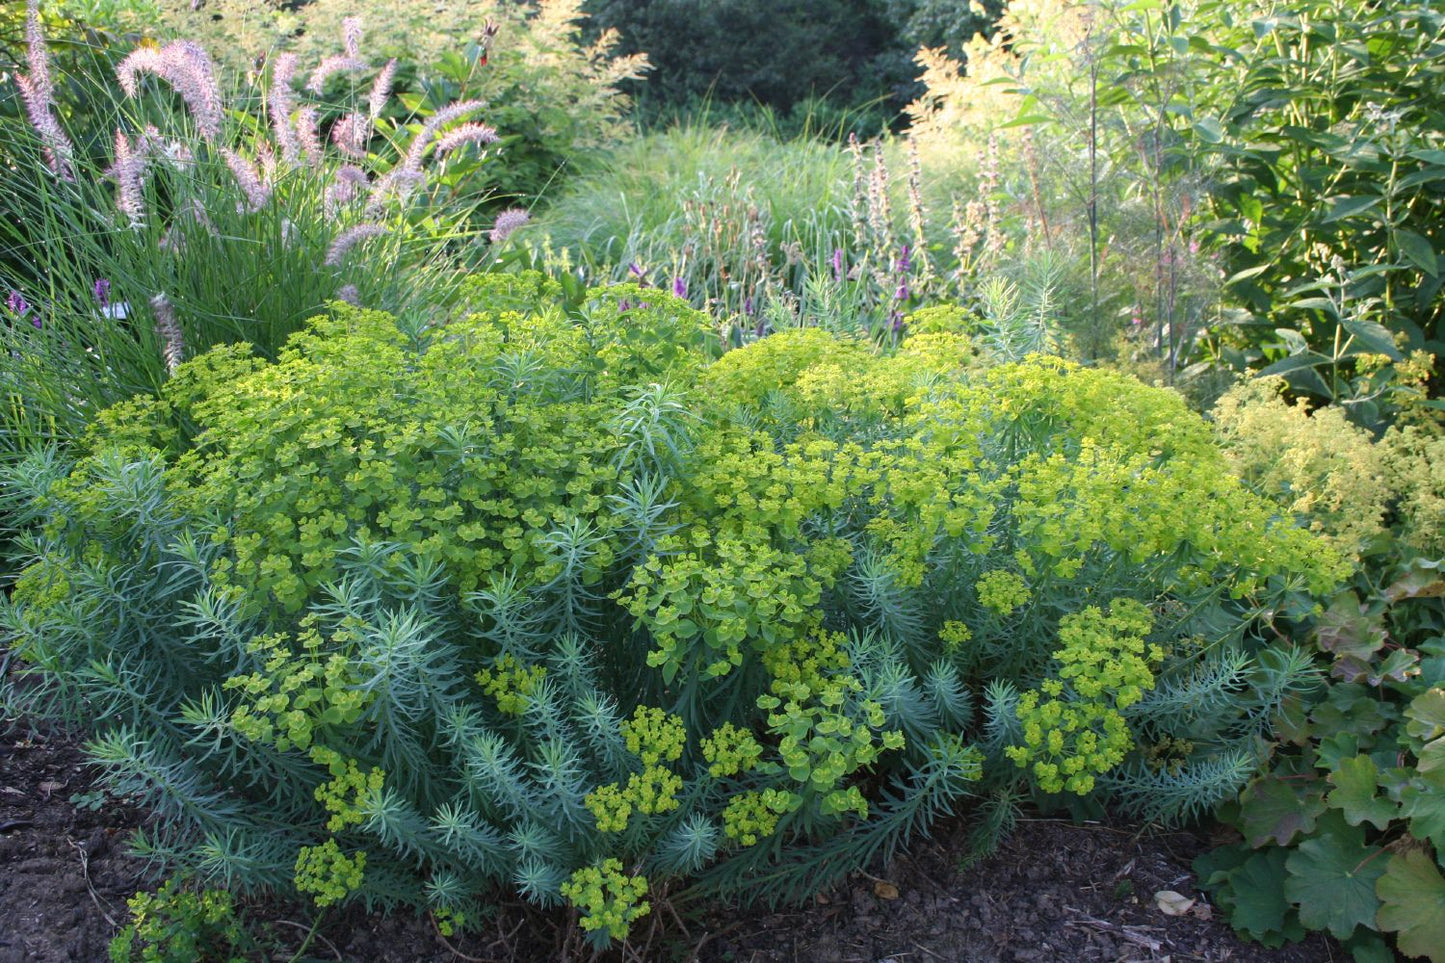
(837,264)
(679,287)
(16,304)
(349,238)
(101,291)
(507,222)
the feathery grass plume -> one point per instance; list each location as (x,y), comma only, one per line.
(168,329)
(349,183)
(349,135)
(185,66)
(283,105)
(507,222)
(128,171)
(308,131)
(403,179)
(38,92)
(466,134)
(335,64)
(349,238)
(351,34)
(381,89)
(251,182)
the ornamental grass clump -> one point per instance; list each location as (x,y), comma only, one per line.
(212,219)
(568,606)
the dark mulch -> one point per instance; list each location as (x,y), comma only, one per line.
(1054,892)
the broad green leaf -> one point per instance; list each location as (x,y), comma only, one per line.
(1258,906)
(1209,130)
(1429,156)
(1347,629)
(1294,362)
(1276,810)
(1423,803)
(1418,583)
(1343,207)
(1419,250)
(1373,335)
(1412,898)
(1332,879)
(1356,781)
(1427,715)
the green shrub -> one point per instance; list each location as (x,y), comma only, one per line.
(561,604)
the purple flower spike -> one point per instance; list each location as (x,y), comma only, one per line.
(902,293)
(904,261)
(679,287)
(897,322)
(748,305)
(837,264)
(17,304)
(624,305)
(637,272)
(102,292)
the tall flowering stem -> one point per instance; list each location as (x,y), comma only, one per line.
(282,103)
(168,330)
(38,92)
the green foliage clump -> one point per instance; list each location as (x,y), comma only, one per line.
(419,610)
(179,925)
(1345,830)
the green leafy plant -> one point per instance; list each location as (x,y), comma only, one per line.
(179,925)
(1344,831)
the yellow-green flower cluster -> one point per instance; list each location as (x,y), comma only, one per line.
(954,635)
(608,898)
(1001,591)
(751,816)
(1073,729)
(656,738)
(327,873)
(300,689)
(344,793)
(730,750)
(511,683)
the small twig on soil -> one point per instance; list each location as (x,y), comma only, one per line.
(312,934)
(85,874)
(16,824)
(697,947)
(925,949)
(454,951)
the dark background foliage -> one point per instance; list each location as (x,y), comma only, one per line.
(790,54)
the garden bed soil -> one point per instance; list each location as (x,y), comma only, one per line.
(1054,892)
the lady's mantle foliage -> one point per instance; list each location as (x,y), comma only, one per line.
(563,604)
